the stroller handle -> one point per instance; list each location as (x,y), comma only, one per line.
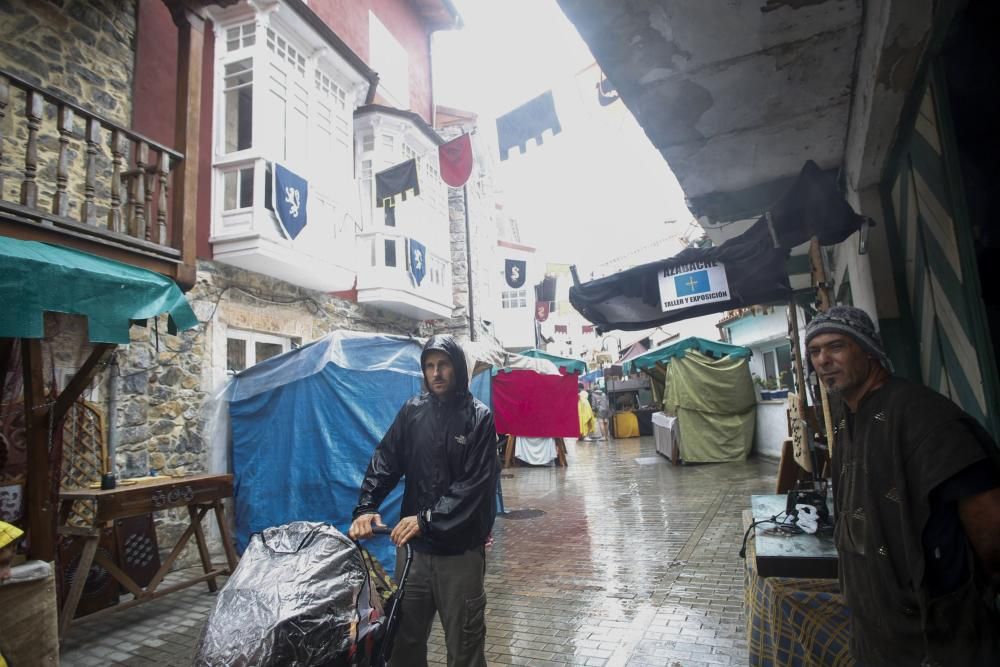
(381,530)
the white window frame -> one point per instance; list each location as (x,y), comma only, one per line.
(251,338)
(514,299)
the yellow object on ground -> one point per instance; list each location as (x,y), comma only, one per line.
(626,425)
(587,422)
(9,534)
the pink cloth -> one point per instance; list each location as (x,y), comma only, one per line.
(539,406)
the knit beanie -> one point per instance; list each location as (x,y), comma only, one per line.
(852,322)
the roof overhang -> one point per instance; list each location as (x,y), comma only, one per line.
(439,14)
(735,95)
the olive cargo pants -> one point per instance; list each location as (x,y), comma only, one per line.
(452,586)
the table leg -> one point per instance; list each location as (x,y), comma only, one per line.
(508,458)
(199,536)
(79,579)
(561,451)
(227,539)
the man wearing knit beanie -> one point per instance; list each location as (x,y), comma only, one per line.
(917,489)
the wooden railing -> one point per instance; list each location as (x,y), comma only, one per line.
(83,174)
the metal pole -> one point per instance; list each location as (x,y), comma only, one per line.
(468,261)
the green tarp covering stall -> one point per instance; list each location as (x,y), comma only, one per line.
(38,277)
(708,387)
(566,363)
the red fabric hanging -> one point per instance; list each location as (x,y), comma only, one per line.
(536,406)
(456,161)
(542,311)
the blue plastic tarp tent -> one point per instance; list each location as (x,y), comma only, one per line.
(304,426)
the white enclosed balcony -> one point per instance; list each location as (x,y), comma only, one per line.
(385,137)
(283,97)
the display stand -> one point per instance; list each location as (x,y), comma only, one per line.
(508,459)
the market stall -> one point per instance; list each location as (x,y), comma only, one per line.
(707,386)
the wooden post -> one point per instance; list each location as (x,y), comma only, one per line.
(41,520)
(4,101)
(88,213)
(137,192)
(187,136)
(822,285)
(163,171)
(60,203)
(29,188)
(117,160)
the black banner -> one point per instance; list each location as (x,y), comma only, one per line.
(514,272)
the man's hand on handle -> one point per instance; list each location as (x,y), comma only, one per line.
(361,528)
(405,530)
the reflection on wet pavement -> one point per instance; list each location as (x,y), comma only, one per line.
(625,561)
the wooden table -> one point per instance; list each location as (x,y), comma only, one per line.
(508,459)
(801,556)
(200,493)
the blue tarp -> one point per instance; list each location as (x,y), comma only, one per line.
(304,426)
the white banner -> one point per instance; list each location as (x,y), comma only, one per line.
(693,284)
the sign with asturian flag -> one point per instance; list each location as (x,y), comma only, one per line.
(514,271)
(291,195)
(455,159)
(693,284)
(418,261)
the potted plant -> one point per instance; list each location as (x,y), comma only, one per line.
(780,389)
(761,387)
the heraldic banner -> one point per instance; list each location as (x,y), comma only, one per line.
(291,195)
(418,261)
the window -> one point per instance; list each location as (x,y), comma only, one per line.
(778,367)
(238,189)
(240,37)
(389,59)
(246,348)
(390,252)
(238,101)
(516,298)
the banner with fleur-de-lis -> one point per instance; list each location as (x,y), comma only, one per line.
(291,195)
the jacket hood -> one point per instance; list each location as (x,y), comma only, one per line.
(448,345)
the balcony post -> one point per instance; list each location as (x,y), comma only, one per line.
(117,159)
(187,135)
(88,214)
(4,101)
(29,188)
(60,203)
(163,172)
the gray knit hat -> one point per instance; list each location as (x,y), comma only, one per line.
(852,322)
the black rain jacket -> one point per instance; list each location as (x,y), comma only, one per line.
(447,449)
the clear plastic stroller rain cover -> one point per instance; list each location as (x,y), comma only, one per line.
(300,597)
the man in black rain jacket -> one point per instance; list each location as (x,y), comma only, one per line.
(444,442)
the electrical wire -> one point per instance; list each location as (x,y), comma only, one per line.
(787,528)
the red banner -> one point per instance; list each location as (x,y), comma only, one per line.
(456,161)
(542,311)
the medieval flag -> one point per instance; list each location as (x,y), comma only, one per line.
(417,261)
(527,121)
(546,290)
(513,271)
(606,93)
(455,159)
(394,181)
(542,311)
(291,194)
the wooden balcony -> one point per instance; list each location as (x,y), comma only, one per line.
(72,178)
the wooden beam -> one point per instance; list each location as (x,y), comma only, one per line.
(187,138)
(81,380)
(38,501)
(6,358)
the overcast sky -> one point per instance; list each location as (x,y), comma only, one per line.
(593,192)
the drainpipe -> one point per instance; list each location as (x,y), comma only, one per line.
(114,433)
(468,261)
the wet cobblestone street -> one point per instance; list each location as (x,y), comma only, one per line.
(618,559)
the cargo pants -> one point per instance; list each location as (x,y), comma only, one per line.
(452,586)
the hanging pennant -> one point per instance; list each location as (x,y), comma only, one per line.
(455,159)
(514,271)
(291,194)
(606,93)
(587,329)
(542,311)
(394,181)
(417,261)
(562,328)
(527,121)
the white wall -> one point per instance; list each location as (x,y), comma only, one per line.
(515,327)
(771,428)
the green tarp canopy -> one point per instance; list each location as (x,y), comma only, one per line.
(678,349)
(715,405)
(571,365)
(38,277)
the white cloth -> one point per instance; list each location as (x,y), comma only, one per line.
(536,451)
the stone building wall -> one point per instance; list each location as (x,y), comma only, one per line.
(81,50)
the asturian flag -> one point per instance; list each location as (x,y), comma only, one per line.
(418,261)
(514,271)
(291,194)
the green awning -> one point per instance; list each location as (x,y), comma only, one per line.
(668,352)
(37,277)
(571,365)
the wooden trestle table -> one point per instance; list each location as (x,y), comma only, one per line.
(200,493)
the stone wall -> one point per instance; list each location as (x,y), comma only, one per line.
(82,51)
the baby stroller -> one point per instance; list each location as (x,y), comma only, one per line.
(303,596)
